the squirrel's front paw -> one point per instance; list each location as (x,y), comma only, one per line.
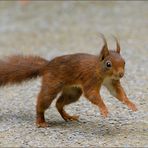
(104,112)
(132,106)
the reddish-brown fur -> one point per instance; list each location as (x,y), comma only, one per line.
(17,68)
(71,75)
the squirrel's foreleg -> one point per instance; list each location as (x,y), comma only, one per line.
(117,91)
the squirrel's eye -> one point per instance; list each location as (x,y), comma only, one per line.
(108,64)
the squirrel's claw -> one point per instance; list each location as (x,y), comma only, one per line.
(104,112)
(42,125)
(132,106)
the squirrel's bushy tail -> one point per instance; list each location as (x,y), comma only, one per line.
(18,68)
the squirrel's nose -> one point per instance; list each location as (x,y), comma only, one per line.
(121,74)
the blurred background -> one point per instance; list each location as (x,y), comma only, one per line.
(52,28)
(61,26)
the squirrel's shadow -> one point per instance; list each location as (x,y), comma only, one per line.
(17,117)
(82,126)
(87,127)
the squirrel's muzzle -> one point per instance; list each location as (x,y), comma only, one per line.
(120,74)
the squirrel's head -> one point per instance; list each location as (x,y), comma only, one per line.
(111,61)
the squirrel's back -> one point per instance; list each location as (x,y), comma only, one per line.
(17,68)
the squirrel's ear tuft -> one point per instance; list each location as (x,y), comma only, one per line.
(117,45)
(104,52)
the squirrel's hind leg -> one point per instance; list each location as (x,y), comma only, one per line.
(68,96)
(45,98)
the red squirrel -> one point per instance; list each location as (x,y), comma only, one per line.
(70,75)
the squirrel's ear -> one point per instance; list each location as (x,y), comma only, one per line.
(117,45)
(104,52)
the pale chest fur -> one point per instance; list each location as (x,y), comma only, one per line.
(107,82)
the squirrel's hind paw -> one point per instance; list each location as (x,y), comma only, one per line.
(42,125)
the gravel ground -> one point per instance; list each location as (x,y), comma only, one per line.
(54,28)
